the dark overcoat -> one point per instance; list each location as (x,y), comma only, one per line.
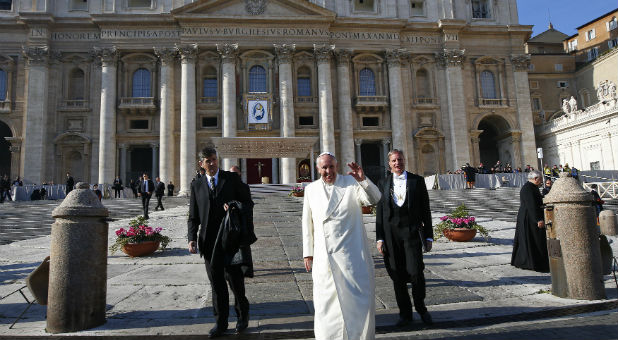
(417,200)
(530,243)
(229,188)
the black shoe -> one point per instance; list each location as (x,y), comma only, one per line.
(403,322)
(216,332)
(241,325)
(426,317)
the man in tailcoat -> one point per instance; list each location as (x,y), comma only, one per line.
(211,195)
(144,190)
(403,229)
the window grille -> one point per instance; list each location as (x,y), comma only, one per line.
(488,85)
(257,79)
(367,83)
(3,85)
(141,83)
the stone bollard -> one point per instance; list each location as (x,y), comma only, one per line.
(609,225)
(574,225)
(78,266)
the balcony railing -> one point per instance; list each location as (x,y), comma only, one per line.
(137,104)
(303,99)
(5,106)
(74,104)
(425,101)
(493,102)
(370,103)
(209,100)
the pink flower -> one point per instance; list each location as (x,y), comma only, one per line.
(158,230)
(443,218)
(120,232)
(472,219)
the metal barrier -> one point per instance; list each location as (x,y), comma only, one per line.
(605,189)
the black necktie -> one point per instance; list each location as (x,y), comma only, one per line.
(212,186)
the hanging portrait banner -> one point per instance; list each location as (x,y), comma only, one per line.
(258,112)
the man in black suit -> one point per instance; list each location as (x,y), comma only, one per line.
(144,190)
(210,198)
(403,231)
(117,185)
(159,192)
(70,184)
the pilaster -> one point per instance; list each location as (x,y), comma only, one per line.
(228,53)
(524,109)
(167,57)
(323,55)
(188,153)
(346,132)
(286,106)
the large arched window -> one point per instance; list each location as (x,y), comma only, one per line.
(257,79)
(141,83)
(367,84)
(423,87)
(210,87)
(76,84)
(488,85)
(303,82)
(3,85)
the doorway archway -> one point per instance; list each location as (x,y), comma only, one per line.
(495,142)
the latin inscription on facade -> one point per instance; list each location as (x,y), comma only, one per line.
(130,34)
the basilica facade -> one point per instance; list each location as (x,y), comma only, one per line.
(100,88)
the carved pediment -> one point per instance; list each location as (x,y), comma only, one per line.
(255,8)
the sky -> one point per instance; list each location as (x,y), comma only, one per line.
(565,15)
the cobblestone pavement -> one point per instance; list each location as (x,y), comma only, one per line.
(24,220)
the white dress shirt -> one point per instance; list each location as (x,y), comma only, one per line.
(216,176)
(399,188)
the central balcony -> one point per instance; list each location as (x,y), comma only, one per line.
(370,103)
(134,105)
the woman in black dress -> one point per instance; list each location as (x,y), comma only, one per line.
(530,243)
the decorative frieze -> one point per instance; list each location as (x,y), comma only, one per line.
(188,53)
(521,62)
(451,58)
(228,52)
(36,55)
(606,91)
(255,7)
(323,52)
(167,55)
(284,52)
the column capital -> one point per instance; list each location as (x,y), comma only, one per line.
(343,56)
(516,136)
(323,52)
(521,62)
(394,56)
(122,146)
(358,141)
(36,55)
(188,53)
(228,52)
(107,55)
(385,141)
(284,52)
(167,55)
(451,57)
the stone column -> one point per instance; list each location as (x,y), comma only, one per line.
(452,62)
(346,132)
(188,154)
(228,54)
(123,164)
(524,109)
(155,161)
(243,169)
(107,118)
(275,171)
(476,152)
(516,142)
(325,92)
(286,106)
(357,150)
(398,124)
(385,150)
(167,56)
(35,127)
(78,266)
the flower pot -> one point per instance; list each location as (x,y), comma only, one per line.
(367,209)
(298,193)
(460,234)
(140,249)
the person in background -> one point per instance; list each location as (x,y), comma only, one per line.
(598,202)
(117,185)
(145,189)
(159,193)
(17,182)
(170,189)
(133,185)
(470,173)
(98,192)
(70,183)
(547,188)
(5,189)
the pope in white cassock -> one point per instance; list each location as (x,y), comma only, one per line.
(336,248)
